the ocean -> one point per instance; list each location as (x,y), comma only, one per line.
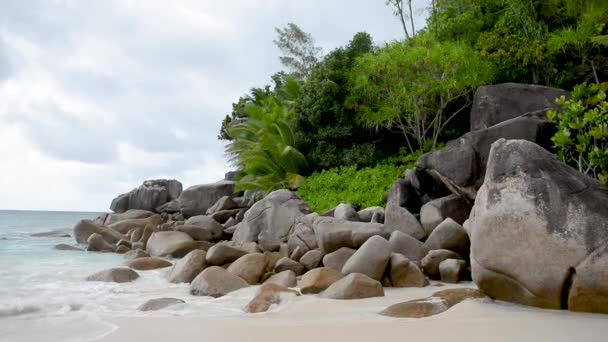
(43,291)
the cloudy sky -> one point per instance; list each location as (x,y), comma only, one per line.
(97,96)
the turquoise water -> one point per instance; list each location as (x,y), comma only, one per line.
(44,289)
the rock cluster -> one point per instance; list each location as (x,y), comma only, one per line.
(504,213)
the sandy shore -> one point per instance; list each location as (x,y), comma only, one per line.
(312,319)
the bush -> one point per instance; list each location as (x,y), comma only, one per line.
(364,188)
(582,136)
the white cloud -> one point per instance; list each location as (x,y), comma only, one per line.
(96,96)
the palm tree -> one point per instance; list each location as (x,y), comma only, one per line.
(262,145)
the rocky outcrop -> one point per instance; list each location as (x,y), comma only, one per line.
(196,200)
(539,231)
(354,286)
(147,263)
(497,103)
(271,220)
(159,304)
(216,282)
(460,166)
(116,275)
(433,305)
(85,228)
(148,196)
(188,267)
(371,259)
(169,243)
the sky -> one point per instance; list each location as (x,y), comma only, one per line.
(98,96)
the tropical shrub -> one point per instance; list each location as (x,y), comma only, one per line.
(262,145)
(582,136)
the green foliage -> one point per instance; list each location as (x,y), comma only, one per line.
(327,131)
(298,47)
(551,42)
(365,187)
(262,145)
(408,85)
(582,136)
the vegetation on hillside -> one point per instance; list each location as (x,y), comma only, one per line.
(341,119)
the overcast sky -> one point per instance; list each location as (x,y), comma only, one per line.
(97,96)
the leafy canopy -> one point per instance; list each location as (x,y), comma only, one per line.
(407,86)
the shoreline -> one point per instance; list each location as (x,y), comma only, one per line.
(472,321)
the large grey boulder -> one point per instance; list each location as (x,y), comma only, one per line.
(371,259)
(169,243)
(285,278)
(311,259)
(196,199)
(333,234)
(116,275)
(539,231)
(354,286)
(85,228)
(287,264)
(404,194)
(497,103)
(222,253)
(224,203)
(452,270)
(216,282)
(303,236)
(96,243)
(318,279)
(461,165)
(399,218)
(408,246)
(272,219)
(346,212)
(202,228)
(449,235)
(250,267)
(436,211)
(337,259)
(404,273)
(188,267)
(148,196)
